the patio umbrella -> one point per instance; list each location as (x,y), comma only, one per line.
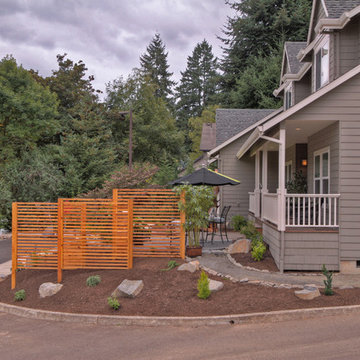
(205,176)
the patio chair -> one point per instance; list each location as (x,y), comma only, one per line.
(214,221)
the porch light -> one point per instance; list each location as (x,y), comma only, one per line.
(304,162)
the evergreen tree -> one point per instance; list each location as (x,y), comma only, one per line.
(154,64)
(197,84)
(259,26)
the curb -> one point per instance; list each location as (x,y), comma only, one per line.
(254,318)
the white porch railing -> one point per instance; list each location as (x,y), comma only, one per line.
(312,210)
(270,207)
(252,202)
(301,210)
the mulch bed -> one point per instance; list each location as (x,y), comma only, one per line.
(165,293)
(267,263)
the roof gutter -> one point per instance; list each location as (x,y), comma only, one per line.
(250,141)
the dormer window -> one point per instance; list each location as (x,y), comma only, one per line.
(322,64)
(288,97)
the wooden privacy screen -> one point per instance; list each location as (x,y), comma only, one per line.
(97,234)
(157,222)
(34,233)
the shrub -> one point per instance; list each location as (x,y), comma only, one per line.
(203,286)
(20,295)
(328,282)
(171,265)
(94,280)
(113,303)
(258,251)
(238,221)
(249,230)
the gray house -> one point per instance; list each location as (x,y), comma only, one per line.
(316,133)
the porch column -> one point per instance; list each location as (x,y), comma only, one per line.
(264,177)
(257,190)
(281,189)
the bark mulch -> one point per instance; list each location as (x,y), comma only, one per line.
(165,293)
(267,263)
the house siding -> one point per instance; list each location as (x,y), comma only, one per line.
(237,196)
(310,250)
(272,238)
(302,88)
(328,137)
(348,48)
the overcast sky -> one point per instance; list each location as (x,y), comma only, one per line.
(108,35)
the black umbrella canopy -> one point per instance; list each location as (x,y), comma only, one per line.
(205,176)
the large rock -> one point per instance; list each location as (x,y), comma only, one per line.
(128,288)
(309,292)
(215,285)
(191,266)
(49,289)
(240,246)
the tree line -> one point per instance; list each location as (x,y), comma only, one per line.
(59,138)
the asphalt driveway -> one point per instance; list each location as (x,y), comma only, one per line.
(5,250)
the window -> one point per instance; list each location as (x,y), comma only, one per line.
(288,97)
(322,171)
(322,64)
(288,171)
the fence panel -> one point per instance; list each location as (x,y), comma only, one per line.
(96,234)
(34,234)
(157,222)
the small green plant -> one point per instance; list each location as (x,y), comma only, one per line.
(258,251)
(113,303)
(238,222)
(93,280)
(171,265)
(20,295)
(249,230)
(328,282)
(203,286)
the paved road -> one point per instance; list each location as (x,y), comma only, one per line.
(5,250)
(325,338)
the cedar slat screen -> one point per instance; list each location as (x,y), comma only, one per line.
(95,234)
(157,222)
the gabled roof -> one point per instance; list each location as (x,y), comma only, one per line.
(260,130)
(230,122)
(208,137)
(335,8)
(244,130)
(292,49)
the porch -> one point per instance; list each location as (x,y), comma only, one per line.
(300,219)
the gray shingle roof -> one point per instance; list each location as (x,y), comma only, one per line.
(208,137)
(230,122)
(292,49)
(336,8)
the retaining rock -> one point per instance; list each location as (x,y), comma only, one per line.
(240,247)
(215,285)
(308,293)
(128,288)
(49,289)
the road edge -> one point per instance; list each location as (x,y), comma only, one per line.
(253,318)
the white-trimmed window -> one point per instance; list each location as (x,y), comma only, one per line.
(322,171)
(288,96)
(322,63)
(288,171)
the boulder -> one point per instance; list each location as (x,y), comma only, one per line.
(49,289)
(191,266)
(215,285)
(309,292)
(128,288)
(240,246)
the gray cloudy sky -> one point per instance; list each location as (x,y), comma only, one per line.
(108,35)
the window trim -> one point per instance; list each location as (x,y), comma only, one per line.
(320,153)
(289,89)
(325,40)
(288,176)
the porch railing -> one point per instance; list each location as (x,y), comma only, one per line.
(252,202)
(270,207)
(312,210)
